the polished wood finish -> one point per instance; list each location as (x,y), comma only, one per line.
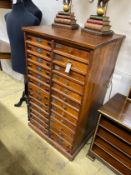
(7,4)
(112,140)
(5,52)
(69,101)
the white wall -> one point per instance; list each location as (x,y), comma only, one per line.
(120,14)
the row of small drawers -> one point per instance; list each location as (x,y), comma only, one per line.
(75,53)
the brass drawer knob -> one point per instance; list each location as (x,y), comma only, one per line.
(39,39)
(39,68)
(39,50)
(40,60)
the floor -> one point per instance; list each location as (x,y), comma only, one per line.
(23,152)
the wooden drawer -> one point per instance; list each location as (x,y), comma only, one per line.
(38,76)
(75,65)
(73,51)
(42,117)
(75,97)
(61,141)
(41,122)
(39,104)
(65,99)
(73,76)
(40,98)
(45,87)
(39,60)
(62,119)
(115,129)
(39,40)
(60,127)
(39,126)
(114,141)
(68,84)
(65,106)
(39,111)
(110,160)
(38,68)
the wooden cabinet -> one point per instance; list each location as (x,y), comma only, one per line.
(63,103)
(112,139)
(7,4)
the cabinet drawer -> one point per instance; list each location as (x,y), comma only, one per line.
(62,119)
(75,65)
(39,61)
(45,87)
(116,129)
(39,109)
(40,77)
(39,126)
(65,106)
(39,40)
(66,99)
(68,83)
(114,141)
(73,51)
(55,124)
(43,99)
(39,104)
(59,140)
(35,90)
(43,117)
(38,68)
(73,76)
(75,97)
(41,122)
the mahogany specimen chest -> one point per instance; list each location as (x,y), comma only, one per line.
(63,103)
(112,140)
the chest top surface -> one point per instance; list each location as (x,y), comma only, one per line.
(79,37)
(119,109)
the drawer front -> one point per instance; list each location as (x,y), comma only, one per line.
(39,111)
(38,68)
(39,104)
(65,106)
(43,99)
(39,40)
(114,141)
(66,99)
(39,126)
(75,65)
(61,141)
(40,77)
(75,77)
(62,119)
(54,124)
(39,61)
(68,83)
(41,122)
(72,51)
(36,90)
(75,97)
(45,87)
(41,116)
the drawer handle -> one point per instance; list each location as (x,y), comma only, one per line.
(47,54)
(68,67)
(39,50)
(39,68)
(40,60)
(48,64)
(47,73)
(39,39)
(58,45)
(39,84)
(39,77)
(57,67)
(48,81)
